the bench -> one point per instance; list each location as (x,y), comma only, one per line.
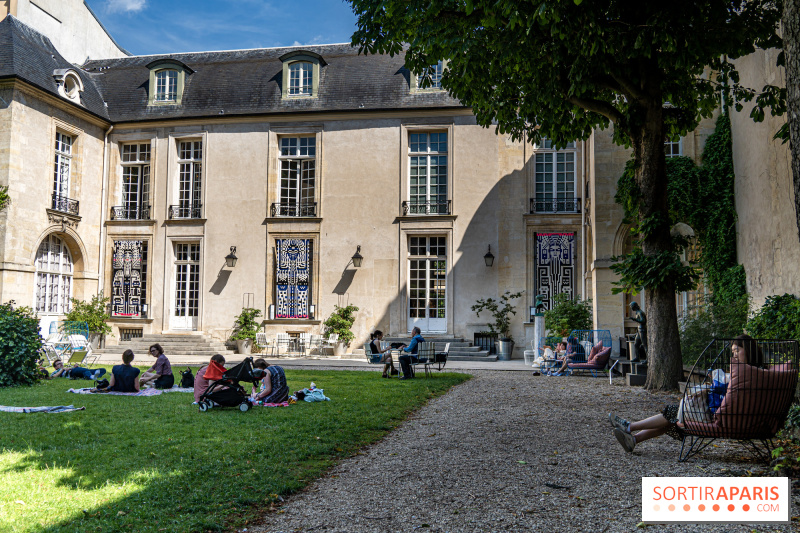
(751,408)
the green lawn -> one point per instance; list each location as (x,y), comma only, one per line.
(157,464)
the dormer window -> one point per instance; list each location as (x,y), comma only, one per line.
(300,78)
(167,80)
(166,85)
(70,85)
(301,73)
(432,79)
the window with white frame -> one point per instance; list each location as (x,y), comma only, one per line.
(166,85)
(63,170)
(190,174)
(555,179)
(432,79)
(427,180)
(301,78)
(53,276)
(673,148)
(135,183)
(298,177)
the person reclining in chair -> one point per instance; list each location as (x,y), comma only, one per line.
(75,372)
(744,350)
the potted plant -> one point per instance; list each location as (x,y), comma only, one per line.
(94,313)
(501,310)
(340,322)
(566,315)
(244,332)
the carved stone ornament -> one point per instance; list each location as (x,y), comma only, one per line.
(66,222)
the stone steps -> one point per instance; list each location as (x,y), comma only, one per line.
(174,345)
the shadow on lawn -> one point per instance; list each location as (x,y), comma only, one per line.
(147,463)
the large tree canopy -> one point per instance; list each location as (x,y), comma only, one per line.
(560,69)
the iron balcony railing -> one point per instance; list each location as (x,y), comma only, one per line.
(185,211)
(430,208)
(130,212)
(306,209)
(65,205)
(556,205)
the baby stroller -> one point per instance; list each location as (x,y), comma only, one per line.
(227,392)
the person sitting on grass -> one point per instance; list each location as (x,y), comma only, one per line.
(208,374)
(76,372)
(124,377)
(386,354)
(744,350)
(160,374)
(273,387)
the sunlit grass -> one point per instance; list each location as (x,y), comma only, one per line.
(157,464)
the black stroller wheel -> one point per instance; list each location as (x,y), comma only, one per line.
(203,407)
(244,407)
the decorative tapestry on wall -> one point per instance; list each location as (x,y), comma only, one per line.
(293,277)
(555,265)
(128,280)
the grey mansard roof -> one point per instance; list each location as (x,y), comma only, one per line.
(248,82)
(237,82)
(28,55)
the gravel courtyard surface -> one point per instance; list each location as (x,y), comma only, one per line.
(508,451)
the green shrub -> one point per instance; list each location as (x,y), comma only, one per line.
(19,345)
(778,318)
(712,320)
(246,325)
(94,313)
(567,314)
(340,322)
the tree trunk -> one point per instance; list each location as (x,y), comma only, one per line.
(664,364)
(791,48)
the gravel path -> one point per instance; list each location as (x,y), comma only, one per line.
(506,451)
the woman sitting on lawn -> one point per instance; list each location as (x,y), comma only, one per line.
(273,388)
(124,377)
(744,350)
(160,374)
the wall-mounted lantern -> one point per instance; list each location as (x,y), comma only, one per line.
(230,259)
(489,258)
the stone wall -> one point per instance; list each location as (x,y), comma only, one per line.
(71,26)
(768,244)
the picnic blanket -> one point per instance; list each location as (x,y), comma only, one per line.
(43,409)
(145,392)
(179,389)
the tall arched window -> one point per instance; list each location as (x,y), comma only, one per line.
(53,276)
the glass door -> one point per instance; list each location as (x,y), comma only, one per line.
(427,284)
(186,288)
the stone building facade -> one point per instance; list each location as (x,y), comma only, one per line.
(136,175)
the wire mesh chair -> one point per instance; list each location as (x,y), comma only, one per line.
(745,397)
(581,341)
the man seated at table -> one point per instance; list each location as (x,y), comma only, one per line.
(410,353)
